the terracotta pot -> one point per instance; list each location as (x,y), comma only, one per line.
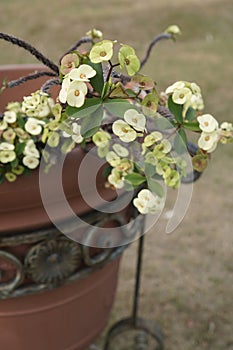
(21,205)
(67,317)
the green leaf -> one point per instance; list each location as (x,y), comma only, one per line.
(2,178)
(162,123)
(176,110)
(19,148)
(155,187)
(191,114)
(91,123)
(105,90)
(98,80)
(135,179)
(180,142)
(149,169)
(90,106)
(192,126)
(107,171)
(14,163)
(21,121)
(118,107)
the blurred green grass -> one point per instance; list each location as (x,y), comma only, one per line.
(186,275)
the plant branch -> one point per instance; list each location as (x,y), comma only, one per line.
(48,84)
(32,76)
(21,43)
(83,40)
(162,36)
(165,112)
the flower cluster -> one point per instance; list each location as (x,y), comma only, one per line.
(104,101)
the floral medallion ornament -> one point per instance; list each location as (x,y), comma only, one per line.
(53,261)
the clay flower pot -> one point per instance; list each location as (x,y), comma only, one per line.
(56,294)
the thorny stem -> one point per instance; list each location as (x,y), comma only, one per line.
(48,84)
(83,40)
(21,43)
(32,76)
(162,36)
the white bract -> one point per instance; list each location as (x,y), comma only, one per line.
(10,117)
(113,159)
(208,141)
(76,135)
(122,129)
(82,73)
(207,123)
(7,156)
(31,162)
(181,96)
(5,146)
(33,126)
(31,150)
(120,150)
(146,202)
(116,179)
(76,93)
(135,119)
(178,85)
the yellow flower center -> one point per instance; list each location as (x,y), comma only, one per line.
(207,138)
(77,92)
(127,61)
(134,120)
(206,123)
(82,76)
(181,95)
(124,130)
(103,53)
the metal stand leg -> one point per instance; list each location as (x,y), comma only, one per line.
(144,327)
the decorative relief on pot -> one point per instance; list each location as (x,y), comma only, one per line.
(11,273)
(53,261)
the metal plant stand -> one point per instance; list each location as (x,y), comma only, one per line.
(144,327)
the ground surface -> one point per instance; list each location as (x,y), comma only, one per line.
(187,276)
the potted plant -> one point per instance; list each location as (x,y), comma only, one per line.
(96,116)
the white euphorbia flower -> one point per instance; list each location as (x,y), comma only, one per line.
(195,88)
(10,117)
(76,94)
(154,137)
(146,202)
(178,85)
(207,123)
(82,73)
(208,141)
(122,129)
(5,146)
(135,119)
(181,96)
(3,125)
(64,89)
(31,150)
(196,102)
(116,179)
(226,126)
(120,150)
(7,156)
(113,159)
(76,135)
(31,162)
(33,126)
